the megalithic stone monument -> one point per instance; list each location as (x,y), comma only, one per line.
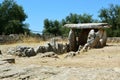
(83,37)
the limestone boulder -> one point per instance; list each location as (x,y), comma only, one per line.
(42,49)
(29,52)
(22,51)
(52,47)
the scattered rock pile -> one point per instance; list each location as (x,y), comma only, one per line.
(22,51)
(55,48)
(52,46)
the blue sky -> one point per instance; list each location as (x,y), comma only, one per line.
(38,10)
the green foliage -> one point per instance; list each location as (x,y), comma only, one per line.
(11,18)
(111,15)
(75,18)
(51,27)
(85,18)
(56,27)
(72,18)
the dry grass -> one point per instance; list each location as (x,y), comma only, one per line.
(29,39)
(23,39)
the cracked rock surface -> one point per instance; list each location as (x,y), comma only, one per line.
(33,72)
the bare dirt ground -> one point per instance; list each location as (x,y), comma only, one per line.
(96,64)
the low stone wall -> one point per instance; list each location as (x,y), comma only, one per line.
(9,38)
(113,40)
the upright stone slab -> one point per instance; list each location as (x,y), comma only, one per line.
(104,38)
(101,34)
(72,40)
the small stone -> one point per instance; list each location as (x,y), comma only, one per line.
(70,54)
(49,54)
(0,52)
(12,60)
